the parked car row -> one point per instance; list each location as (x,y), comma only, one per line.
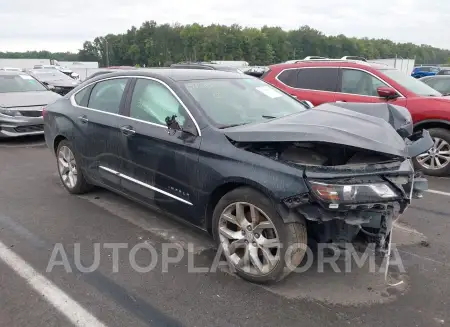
(319,81)
(200,143)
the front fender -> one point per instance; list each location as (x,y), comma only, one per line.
(421,143)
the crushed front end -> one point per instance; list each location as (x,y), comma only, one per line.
(358,203)
(356,160)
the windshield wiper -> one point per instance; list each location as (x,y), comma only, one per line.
(232,125)
(268,117)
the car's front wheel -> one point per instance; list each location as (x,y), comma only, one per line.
(436,162)
(258,245)
(69,171)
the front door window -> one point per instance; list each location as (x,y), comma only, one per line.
(360,83)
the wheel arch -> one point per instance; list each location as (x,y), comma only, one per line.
(225,187)
(432,123)
(288,216)
(58,139)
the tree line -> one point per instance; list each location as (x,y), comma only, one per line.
(161,45)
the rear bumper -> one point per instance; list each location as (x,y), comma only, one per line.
(20,126)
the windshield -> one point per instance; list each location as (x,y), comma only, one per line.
(50,75)
(410,83)
(19,83)
(230,102)
(440,84)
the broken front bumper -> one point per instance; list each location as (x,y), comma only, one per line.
(340,213)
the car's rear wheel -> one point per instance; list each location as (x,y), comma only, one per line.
(256,242)
(436,162)
(69,171)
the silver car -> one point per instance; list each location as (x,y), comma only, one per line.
(22,99)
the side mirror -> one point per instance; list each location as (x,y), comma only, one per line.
(173,126)
(387,92)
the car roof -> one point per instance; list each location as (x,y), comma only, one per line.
(209,65)
(333,63)
(175,74)
(11,72)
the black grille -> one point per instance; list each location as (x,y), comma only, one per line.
(31,113)
(29,128)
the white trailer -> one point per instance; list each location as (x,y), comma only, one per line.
(230,63)
(405,65)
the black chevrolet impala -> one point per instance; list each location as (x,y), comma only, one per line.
(241,159)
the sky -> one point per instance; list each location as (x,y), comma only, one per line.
(63,25)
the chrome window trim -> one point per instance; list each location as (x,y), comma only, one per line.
(73,102)
(337,67)
(131,179)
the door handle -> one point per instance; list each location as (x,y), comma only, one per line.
(341,101)
(127,130)
(83,119)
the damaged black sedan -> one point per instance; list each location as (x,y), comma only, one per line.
(241,159)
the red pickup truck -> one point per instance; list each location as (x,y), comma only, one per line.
(320,81)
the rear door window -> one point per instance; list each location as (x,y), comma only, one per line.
(107,95)
(289,77)
(320,79)
(82,97)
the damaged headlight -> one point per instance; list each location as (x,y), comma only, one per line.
(353,193)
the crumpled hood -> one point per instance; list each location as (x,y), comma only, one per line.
(325,123)
(27,99)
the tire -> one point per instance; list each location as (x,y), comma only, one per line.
(288,234)
(426,167)
(80,186)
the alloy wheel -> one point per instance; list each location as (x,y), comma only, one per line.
(437,157)
(249,238)
(67,167)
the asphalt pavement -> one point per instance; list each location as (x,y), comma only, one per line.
(40,221)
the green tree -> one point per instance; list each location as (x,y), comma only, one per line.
(161,45)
